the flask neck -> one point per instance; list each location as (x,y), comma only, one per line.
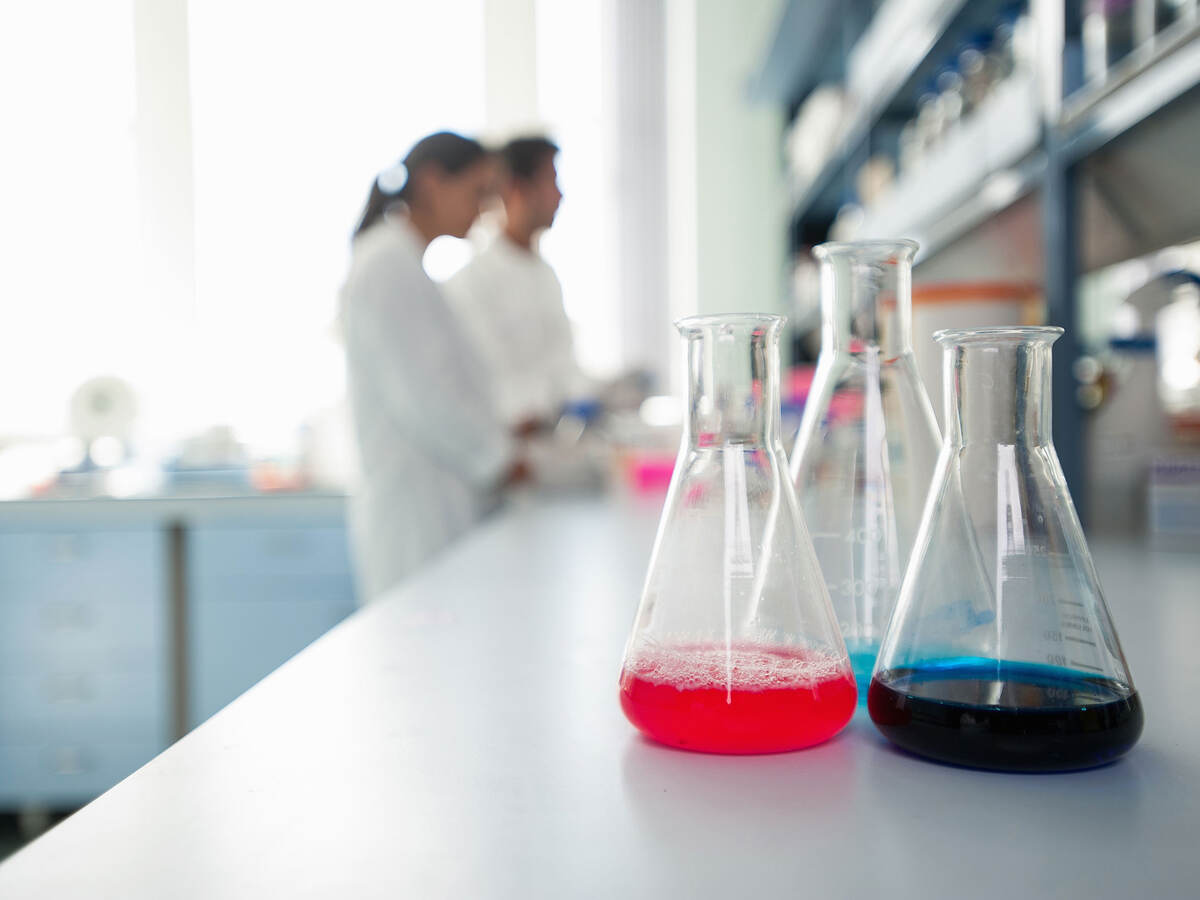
(733,379)
(998,390)
(866,297)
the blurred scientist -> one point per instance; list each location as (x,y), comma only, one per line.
(510,301)
(431,449)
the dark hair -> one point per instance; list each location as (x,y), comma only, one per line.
(523,157)
(450,152)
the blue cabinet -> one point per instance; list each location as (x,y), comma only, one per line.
(84,660)
(99,647)
(257,594)
(102,640)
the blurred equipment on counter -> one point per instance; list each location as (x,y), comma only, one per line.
(1177,331)
(644,446)
(965,304)
(97,457)
(571,456)
(211,461)
(102,415)
(1132,427)
(1174,501)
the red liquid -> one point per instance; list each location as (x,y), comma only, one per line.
(752,699)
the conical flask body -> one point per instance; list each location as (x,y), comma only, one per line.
(734,648)
(868,441)
(1001,652)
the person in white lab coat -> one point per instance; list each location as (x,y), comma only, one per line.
(510,301)
(432,451)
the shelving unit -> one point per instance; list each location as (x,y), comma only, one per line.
(995,158)
(877,92)
(1145,83)
(1082,175)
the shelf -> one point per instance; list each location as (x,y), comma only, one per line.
(991,160)
(903,51)
(1021,189)
(1147,81)
(794,61)
(1137,191)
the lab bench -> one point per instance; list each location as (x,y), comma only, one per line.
(462,738)
(124,623)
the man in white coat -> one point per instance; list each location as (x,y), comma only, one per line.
(509,300)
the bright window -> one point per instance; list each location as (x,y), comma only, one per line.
(69,221)
(295,106)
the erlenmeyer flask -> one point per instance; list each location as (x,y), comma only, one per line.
(735,648)
(868,440)
(1001,653)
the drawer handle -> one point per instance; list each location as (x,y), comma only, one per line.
(68,761)
(65,688)
(68,616)
(69,548)
(287,545)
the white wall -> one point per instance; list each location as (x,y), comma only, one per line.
(727,199)
(510,65)
(741,197)
(675,193)
(180,190)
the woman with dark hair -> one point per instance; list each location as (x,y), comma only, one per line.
(431,450)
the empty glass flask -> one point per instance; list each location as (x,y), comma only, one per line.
(1001,653)
(868,440)
(734,648)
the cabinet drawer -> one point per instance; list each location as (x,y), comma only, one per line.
(335,590)
(215,550)
(75,703)
(68,563)
(241,630)
(94,631)
(65,774)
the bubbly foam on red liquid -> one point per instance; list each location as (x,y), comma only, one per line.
(742,668)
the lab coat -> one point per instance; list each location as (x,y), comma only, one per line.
(509,302)
(430,446)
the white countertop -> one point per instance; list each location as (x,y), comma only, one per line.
(463,739)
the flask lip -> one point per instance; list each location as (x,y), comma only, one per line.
(999,334)
(885,249)
(694,325)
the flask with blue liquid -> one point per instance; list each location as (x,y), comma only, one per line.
(1001,653)
(868,441)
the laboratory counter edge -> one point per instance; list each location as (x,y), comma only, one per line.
(462,738)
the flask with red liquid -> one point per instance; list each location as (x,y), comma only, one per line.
(735,648)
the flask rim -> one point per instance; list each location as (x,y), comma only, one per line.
(690,325)
(1008,334)
(899,247)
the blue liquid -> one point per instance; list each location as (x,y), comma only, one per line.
(862,661)
(1017,717)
